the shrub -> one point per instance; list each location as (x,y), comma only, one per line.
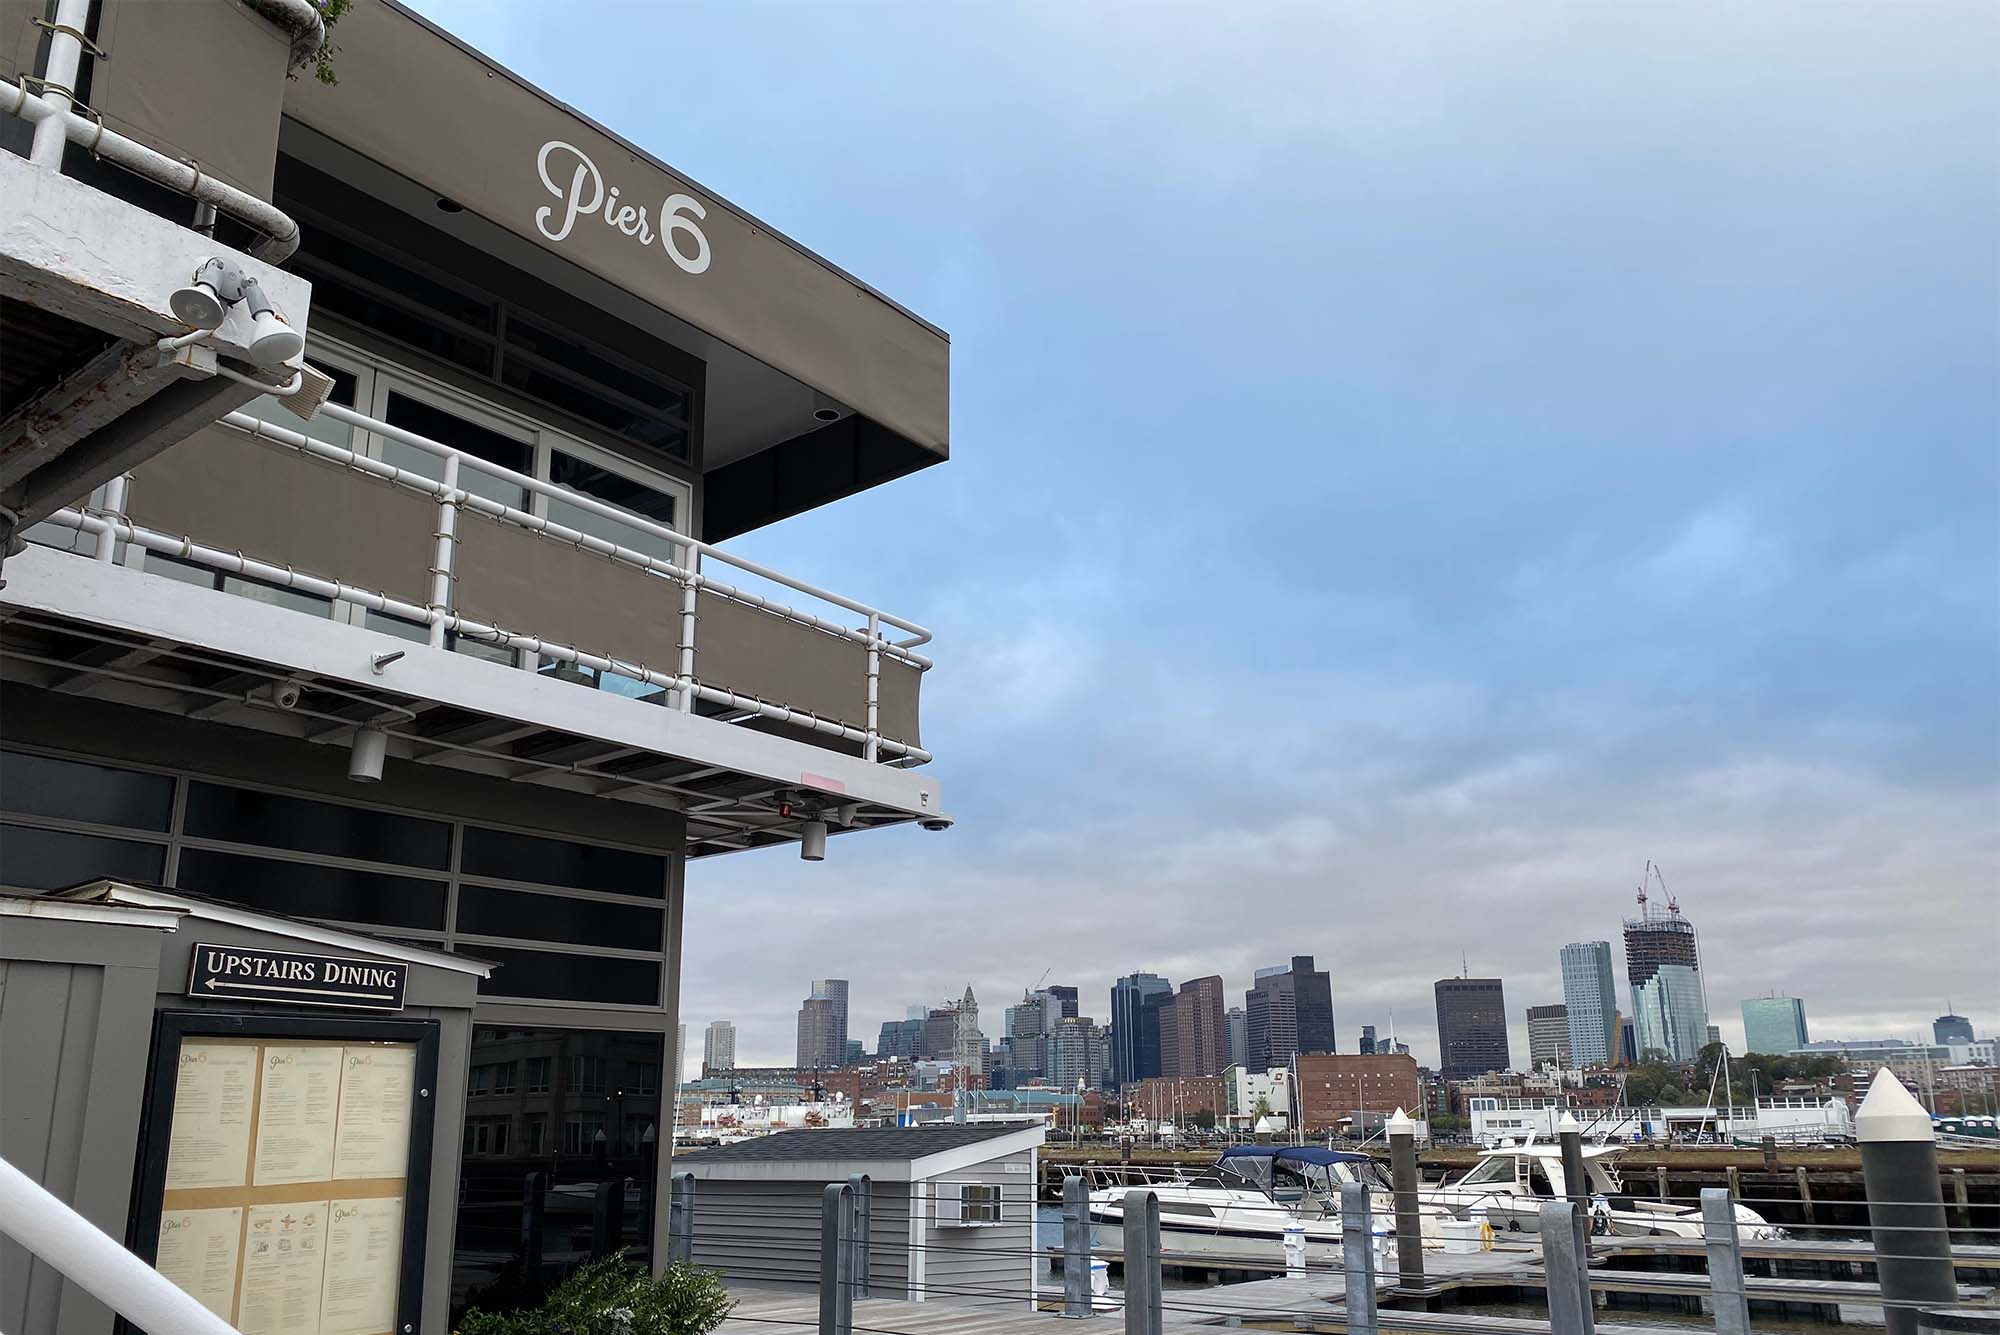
(608,1297)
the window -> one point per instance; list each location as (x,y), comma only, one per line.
(642,1077)
(526,857)
(486,1137)
(245,816)
(580,1132)
(967,1204)
(73,790)
(493,1078)
(538,1131)
(34,859)
(309,890)
(538,1075)
(586,1075)
(427,419)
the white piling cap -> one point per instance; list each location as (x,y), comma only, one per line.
(1567,1125)
(1400,1124)
(1890,1112)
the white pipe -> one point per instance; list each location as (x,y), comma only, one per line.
(89,1258)
(59,82)
(447,539)
(278,234)
(573,537)
(114,505)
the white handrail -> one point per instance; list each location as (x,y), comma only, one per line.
(279,235)
(94,1261)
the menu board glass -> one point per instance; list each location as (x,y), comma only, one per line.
(286,1181)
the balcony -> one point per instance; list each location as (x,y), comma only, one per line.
(298,586)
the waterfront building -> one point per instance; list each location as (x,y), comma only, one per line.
(1135,1031)
(1472,1027)
(718,1047)
(1774,1024)
(1663,967)
(431,664)
(1193,1036)
(1915,1064)
(1363,1090)
(1950,1028)
(1548,1036)
(1590,999)
(1288,1010)
(1184,1101)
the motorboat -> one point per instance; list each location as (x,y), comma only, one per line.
(1240,1209)
(1509,1186)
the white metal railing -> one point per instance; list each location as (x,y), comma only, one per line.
(94,1261)
(108,525)
(56,123)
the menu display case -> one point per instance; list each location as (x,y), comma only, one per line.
(285,1174)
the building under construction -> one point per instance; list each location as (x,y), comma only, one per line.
(1663,965)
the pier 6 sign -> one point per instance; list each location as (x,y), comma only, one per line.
(580,190)
(242,973)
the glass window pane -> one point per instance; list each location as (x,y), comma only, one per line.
(602,484)
(275,596)
(546,974)
(185,571)
(550,1124)
(74,790)
(526,857)
(32,859)
(434,423)
(535,917)
(244,816)
(305,890)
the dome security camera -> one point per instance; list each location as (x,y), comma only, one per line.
(936,824)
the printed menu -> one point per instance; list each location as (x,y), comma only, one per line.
(286,1176)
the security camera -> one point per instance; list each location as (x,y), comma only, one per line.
(286,695)
(936,823)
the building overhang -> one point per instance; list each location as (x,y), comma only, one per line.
(818,386)
(78,626)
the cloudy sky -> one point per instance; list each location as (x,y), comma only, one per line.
(1412,465)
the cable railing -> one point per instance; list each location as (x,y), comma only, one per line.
(683,581)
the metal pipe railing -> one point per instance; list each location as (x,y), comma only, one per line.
(92,1260)
(183,548)
(279,235)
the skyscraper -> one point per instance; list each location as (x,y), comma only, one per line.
(1066,1000)
(1663,965)
(1075,1053)
(968,1045)
(835,990)
(1288,1010)
(1951,1029)
(818,1047)
(1237,1020)
(1128,1025)
(1367,1048)
(1774,1024)
(901,1038)
(1548,1036)
(1193,1037)
(1472,1027)
(718,1046)
(678,1071)
(1590,996)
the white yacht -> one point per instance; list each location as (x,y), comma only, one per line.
(1511,1184)
(1238,1210)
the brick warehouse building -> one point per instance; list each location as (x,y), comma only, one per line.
(1365,1088)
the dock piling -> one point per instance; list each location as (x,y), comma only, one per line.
(1570,1137)
(836,1260)
(1143,1312)
(1357,1251)
(1409,1221)
(1725,1262)
(1569,1297)
(1076,1246)
(1805,1194)
(1899,1173)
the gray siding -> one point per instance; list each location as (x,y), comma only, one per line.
(986,1262)
(769,1233)
(76,1011)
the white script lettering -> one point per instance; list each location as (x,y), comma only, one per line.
(580,193)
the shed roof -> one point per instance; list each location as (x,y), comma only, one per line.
(861,1142)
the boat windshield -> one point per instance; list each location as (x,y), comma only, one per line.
(1253,1171)
(1499,1168)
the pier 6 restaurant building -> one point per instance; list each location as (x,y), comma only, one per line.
(397,615)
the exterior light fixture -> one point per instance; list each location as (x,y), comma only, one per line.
(371,748)
(271,340)
(812,841)
(218,285)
